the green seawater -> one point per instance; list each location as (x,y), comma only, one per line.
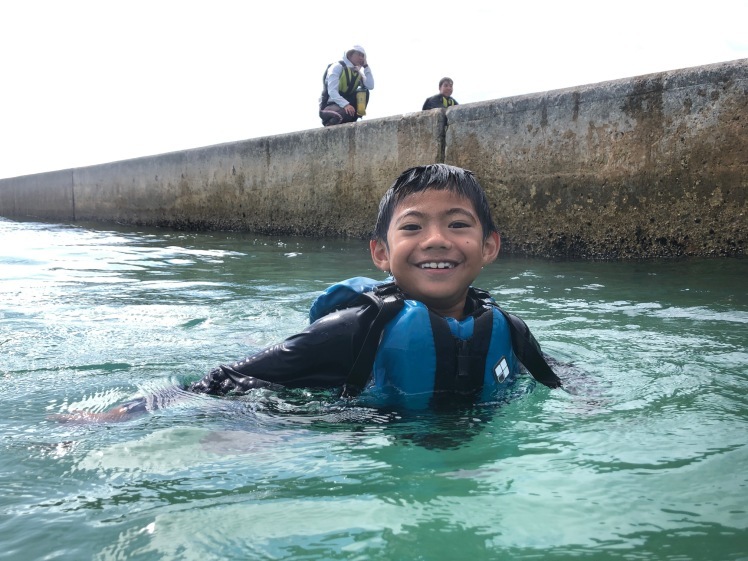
(642,457)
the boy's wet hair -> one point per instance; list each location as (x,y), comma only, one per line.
(440,177)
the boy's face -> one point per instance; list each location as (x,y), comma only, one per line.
(436,249)
(446,89)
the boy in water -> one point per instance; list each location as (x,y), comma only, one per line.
(426,333)
(423,337)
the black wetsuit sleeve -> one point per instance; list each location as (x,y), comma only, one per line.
(528,351)
(321,356)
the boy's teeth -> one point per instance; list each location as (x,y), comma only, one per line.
(435,265)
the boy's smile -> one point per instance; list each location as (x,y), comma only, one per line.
(435,249)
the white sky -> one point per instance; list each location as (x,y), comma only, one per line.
(88,82)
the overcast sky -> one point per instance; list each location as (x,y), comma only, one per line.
(87,82)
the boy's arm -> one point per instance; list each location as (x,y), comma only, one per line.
(321,356)
(528,351)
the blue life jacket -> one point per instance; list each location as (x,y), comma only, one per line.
(411,350)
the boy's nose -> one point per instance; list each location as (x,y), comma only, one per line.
(435,238)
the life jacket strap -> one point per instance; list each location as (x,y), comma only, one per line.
(461,364)
(389,301)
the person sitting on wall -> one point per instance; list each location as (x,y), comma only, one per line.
(339,84)
(443,98)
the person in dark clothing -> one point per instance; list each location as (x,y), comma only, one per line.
(444,98)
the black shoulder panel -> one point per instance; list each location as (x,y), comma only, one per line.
(528,352)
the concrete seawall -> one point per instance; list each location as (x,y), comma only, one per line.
(652,166)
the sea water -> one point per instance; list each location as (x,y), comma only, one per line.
(644,455)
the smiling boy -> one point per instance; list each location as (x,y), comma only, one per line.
(424,335)
(435,248)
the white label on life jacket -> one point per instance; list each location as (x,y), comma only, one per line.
(501,370)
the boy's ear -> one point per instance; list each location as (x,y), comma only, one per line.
(491,248)
(379,255)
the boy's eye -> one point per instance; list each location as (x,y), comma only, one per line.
(410,227)
(459,224)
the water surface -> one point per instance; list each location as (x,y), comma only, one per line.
(642,458)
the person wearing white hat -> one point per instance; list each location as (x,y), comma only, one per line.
(337,103)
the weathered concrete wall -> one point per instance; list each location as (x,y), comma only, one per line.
(323,182)
(641,167)
(48,196)
(650,166)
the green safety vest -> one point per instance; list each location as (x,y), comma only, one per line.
(350,80)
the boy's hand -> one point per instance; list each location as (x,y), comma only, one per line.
(115,415)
